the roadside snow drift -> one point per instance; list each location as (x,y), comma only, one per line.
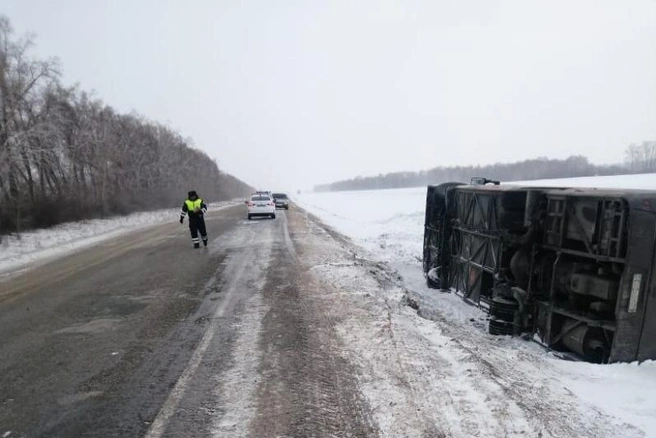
(388,225)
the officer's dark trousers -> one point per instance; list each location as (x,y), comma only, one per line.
(197,224)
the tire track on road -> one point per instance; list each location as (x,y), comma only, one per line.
(308,389)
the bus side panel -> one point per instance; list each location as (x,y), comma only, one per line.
(647,348)
(632,302)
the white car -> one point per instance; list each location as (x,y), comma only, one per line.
(261,204)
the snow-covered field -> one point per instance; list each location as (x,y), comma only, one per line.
(450,345)
(388,225)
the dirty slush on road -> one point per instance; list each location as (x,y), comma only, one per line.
(307,386)
(289,376)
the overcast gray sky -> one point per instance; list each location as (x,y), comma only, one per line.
(287,94)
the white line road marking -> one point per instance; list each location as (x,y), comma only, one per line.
(168,409)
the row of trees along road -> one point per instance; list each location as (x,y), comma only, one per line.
(639,158)
(66,156)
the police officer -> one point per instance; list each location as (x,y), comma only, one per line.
(195,208)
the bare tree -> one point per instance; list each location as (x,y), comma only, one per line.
(66,156)
(22,84)
(641,158)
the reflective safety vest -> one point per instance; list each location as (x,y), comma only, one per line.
(193,205)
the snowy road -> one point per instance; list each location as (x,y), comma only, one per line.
(280,328)
(144,336)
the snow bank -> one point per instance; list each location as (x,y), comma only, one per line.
(19,251)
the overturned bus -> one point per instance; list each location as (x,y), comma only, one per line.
(570,266)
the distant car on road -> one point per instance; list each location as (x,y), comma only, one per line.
(281,200)
(261,204)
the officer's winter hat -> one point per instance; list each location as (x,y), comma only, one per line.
(192,193)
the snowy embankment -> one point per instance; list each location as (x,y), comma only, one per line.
(388,225)
(24,250)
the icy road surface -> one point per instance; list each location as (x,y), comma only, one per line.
(280,328)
